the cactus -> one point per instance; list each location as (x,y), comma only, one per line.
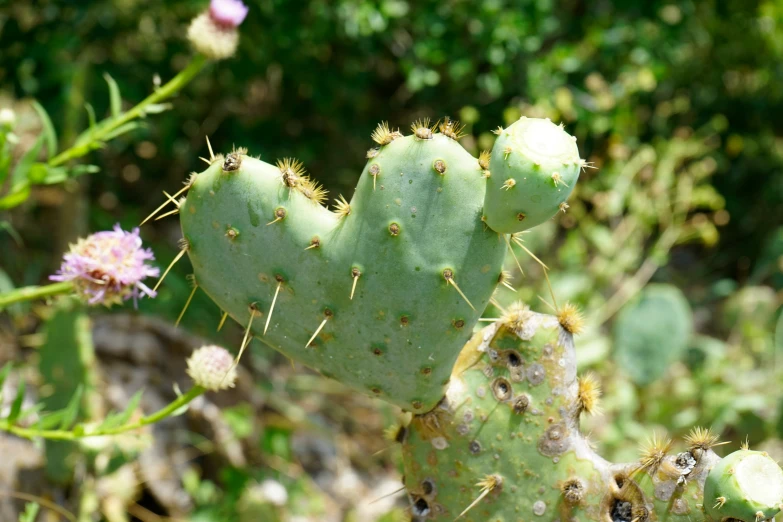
(504,445)
(405,268)
(383,293)
(652,332)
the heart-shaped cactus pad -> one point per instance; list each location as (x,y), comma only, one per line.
(393,283)
(382,293)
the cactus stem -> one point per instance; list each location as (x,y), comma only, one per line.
(187,304)
(222,321)
(174,262)
(209,146)
(356,274)
(487,484)
(327,315)
(448,275)
(169,200)
(274,300)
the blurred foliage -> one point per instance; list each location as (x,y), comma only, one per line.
(676,104)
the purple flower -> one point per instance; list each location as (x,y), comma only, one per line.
(108,267)
(228,13)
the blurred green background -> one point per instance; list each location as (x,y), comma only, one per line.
(672,245)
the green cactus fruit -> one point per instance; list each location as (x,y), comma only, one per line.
(381,294)
(652,332)
(504,444)
(533,169)
(746,485)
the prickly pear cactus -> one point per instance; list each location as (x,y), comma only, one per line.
(652,332)
(504,446)
(534,168)
(380,294)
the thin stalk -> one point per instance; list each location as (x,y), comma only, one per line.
(28,293)
(100,131)
(167,411)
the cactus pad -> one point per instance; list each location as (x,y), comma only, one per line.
(392,282)
(533,169)
(504,445)
(746,485)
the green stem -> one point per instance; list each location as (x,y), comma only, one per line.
(170,88)
(29,293)
(32,433)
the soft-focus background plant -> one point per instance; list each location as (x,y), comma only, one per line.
(672,245)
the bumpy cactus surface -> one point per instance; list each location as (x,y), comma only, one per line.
(392,282)
(504,445)
(383,294)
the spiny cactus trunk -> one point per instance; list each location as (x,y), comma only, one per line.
(504,445)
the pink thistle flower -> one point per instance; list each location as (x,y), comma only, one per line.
(228,13)
(108,267)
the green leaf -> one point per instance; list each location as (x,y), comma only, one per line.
(78,170)
(16,406)
(90,114)
(35,408)
(122,129)
(22,168)
(48,421)
(55,175)
(157,108)
(121,418)
(72,409)
(114,95)
(652,332)
(49,133)
(18,195)
(30,512)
